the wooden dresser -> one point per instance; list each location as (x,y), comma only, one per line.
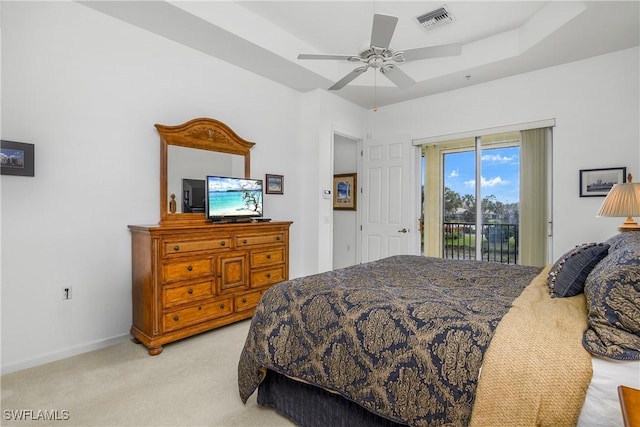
(189,279)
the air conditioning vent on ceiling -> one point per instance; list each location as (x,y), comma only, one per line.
(436,18)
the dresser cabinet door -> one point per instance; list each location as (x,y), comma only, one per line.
(232,271)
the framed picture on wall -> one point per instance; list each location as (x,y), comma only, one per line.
(275,184)
(345,191)
(598,182)
(16,158)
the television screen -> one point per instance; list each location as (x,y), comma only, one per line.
(233,197)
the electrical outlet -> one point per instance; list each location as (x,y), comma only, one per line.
(66,292)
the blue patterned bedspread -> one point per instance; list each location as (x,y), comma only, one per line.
(403,337)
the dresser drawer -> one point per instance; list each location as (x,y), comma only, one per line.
(196,314)
(172,247)
(244,240)
(187,269)
(172,296)
(267,257)
(267,276)
(247,301)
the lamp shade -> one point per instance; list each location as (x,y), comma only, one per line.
(623,200)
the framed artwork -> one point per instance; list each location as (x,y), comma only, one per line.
(345,192)
(16,158)
(598,182)
(275,184)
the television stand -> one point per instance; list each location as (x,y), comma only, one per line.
(230,220)
(236,220)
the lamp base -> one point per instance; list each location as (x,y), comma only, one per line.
(629,225)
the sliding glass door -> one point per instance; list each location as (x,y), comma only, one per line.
(507,174)
(488,171)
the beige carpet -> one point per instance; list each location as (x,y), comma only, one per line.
(193,382)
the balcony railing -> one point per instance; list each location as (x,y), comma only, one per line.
(499,242)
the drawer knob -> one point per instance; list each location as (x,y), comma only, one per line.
(190,268)
(278,238)
(244,241)
(176,318)
(199,308)
(176,248)
(219,275)
(244,300)
(268,274)
(222,305)
(268,256)
(222,243)
(190,291)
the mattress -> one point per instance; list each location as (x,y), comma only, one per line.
(601,406)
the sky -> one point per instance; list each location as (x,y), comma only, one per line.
(500,173)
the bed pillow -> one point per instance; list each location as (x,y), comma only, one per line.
(569,273)
(612,291)
(622,240)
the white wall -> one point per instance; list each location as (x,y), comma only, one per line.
(596,106)
(323,115)
(87,89)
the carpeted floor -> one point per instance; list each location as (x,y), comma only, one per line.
(193,382)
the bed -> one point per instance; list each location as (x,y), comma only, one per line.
(410,340)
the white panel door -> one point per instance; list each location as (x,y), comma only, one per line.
(389,189)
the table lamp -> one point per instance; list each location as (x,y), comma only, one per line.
(623,200)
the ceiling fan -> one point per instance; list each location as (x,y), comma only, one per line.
(379,56)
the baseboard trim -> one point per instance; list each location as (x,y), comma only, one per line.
(63,354)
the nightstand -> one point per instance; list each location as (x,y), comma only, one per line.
(630,405)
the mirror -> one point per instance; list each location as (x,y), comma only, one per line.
(188,153)
(187,169)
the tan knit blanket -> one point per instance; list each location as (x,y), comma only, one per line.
(535,371)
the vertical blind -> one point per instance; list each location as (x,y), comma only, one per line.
(533,197)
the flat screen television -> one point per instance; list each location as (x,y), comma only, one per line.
(233,198)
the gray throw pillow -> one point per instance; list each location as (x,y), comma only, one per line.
(569,273)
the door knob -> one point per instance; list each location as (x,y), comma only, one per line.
(404,230)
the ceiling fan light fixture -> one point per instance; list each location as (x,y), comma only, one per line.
(379,56)
(436,18)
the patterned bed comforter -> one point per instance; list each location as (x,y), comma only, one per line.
(403,337)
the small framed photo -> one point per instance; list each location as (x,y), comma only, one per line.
(598,182)
(16,158)
(275,184)
(345,191)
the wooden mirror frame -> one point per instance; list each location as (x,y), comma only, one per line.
(201,134)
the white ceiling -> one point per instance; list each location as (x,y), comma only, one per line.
(499,38)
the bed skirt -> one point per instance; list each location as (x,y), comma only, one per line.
(307,405)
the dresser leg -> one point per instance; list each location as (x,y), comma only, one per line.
(154,351)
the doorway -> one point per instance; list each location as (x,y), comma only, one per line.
(345,222)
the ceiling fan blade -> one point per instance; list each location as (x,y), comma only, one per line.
(313,56)
(397,76)
(383,29)
(348,78)
(432,52)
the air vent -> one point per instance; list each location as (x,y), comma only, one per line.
(436,18)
